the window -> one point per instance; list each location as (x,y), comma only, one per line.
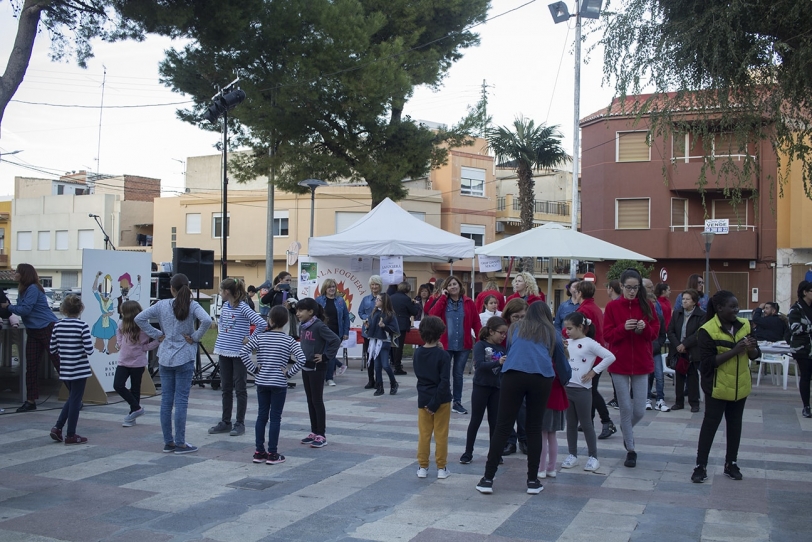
(80,192)
(193,223)
(70,279)
(632,214)
(679,214)
(474,232)
(217,225)
(174,237)
(633,147)
(24,239)
(346,219)
(420,216)
(2,239)
(738,215)
(43,240)
(61,240)
(472,181)
(60,189)
(280,223)
(86,239)
(46,282)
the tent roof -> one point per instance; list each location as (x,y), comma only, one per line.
(389,230)
(553,240)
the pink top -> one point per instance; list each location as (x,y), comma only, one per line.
(132,354)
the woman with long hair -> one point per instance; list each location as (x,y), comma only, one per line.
(800,325)
(726,346)
(179,342)
(38,318)
(527,375)
(696,282)
(365,309)
(337,319)
(630,325)
(525,287)
(383,328)
(684,351)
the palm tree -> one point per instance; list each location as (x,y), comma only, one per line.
(527,147)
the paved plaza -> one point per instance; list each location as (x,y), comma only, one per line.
(363,486)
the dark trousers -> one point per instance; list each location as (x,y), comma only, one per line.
(132,395)
(332,365)
(397,353)
(369,362)
(70,410)
(598,403)
(37,345)
(805,367)
(270,402)
(482,398)
(693,386)
(233,377)
(517,387)
(714,410)
(519,434)
(314,391)
(382,364)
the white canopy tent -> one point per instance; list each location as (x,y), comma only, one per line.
(389,230)
(553,240)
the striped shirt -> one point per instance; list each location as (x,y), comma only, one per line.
(233,326)
(71,340)
(274,350)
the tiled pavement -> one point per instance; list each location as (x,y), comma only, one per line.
(362,486)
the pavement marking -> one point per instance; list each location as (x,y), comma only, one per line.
(102,465)
(38,454)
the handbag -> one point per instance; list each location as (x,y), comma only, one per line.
(682,365)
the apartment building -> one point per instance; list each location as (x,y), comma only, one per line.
(5,228)
(794,213)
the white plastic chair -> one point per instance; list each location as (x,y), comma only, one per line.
(771,361)
(668,370)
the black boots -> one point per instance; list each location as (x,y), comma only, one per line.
(609,429)
(378,390)
(393,388)
(370,385)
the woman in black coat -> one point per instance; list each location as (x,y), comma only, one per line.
(682,337)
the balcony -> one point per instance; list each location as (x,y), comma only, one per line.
(508,209)
(4,217)
(740,244)
(560,267)
(683,172)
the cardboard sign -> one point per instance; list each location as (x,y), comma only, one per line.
(489,264)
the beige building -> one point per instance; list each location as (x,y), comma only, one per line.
(5,234)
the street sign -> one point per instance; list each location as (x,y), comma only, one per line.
(590,277)
(718,226)
(663,275)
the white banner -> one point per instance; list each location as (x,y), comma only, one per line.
(489,264)
(392,269)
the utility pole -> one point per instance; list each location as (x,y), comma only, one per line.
(269,241)
(484,104)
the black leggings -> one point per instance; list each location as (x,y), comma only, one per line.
(805,367)
(482,397)
(598,403)
(714,410)
(314,390)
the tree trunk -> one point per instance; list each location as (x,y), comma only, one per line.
(527,203)
(21,52)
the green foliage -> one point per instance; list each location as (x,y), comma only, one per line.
(715,66)
(621,265)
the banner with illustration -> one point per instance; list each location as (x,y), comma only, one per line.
(109,278)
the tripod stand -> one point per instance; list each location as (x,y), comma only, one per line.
(199,377)
(107,241)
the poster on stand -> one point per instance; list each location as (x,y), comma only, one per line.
(109,278)
(392,269)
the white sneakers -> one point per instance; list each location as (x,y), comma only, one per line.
(592,464)
(569,462)
(442,474)
(331,383)
(648,405)
(662,407)
(422,473)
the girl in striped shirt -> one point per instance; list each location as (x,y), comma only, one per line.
(274,349)
(71,340)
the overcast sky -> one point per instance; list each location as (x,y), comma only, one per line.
(520,57)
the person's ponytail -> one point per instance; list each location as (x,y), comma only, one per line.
(183,296)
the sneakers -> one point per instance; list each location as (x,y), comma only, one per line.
(422,473)
(238,429)
(542,474)
(732,471)
(806,412)
(700,474)
(608,430)
(56,434)
(613,404)
(169,448)
(592,464)
(308,439)
(534,487)
(331,383)
(318,442)
(648,405)
(27,407)
(128,422)
(551,473)
(485,486)
(260,457)
(631,460)
(661,406)
(442,474)
(341,370)
(221,427)
(569,462)
(136,413)
(458,408)
(274,458)
(185,449)
(77,439)
(466,458)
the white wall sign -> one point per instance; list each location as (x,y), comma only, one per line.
(489,264)
(718,225)
(392,269)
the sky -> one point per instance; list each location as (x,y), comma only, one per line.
(526,61)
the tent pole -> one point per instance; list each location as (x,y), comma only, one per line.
(473,281)
(550,284)
(450,266)
(507,277)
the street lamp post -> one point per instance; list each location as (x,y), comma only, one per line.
(312,184)
(708,235)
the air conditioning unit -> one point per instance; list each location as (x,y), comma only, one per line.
(500,227)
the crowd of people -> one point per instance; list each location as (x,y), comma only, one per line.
(535,374)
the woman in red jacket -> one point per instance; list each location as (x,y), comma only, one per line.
(630,325)
(461,318)
(525,287)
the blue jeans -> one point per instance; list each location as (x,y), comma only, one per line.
(331,368)
(70,410)
(382,362)
(176,383)
(459,358)
(658,377)
(271,401)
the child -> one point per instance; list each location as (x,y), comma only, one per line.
(487,370)
(71,340)
(583,350)
(552,422)
(382,326)
(233,329)
(132,344)
(319,345)
(274,350)
(432,367)
(490,308)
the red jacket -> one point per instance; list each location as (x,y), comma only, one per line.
(665,303)
(632,349)
(558,396)
(480,299)
(530,299)
(470,321)
(591,310)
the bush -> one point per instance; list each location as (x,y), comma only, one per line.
(621,265)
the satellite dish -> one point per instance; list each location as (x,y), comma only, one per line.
(293,252)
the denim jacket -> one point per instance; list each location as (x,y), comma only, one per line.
(365,310)
(343,314)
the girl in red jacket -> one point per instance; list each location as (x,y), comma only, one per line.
(461,318)
(629,327)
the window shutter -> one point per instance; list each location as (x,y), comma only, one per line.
(678,212)
(633,214)
(632,147)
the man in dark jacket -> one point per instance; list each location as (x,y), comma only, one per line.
(769,325)
(405,308)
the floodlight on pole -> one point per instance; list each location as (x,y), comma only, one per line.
(312,184)
(590,9)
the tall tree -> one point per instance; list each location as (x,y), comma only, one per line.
(527,147)
(718,66)
(327,84)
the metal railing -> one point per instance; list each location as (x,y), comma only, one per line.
(539,206)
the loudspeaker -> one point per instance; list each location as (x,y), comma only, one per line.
(206,277)
(159,289)
(196,264)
